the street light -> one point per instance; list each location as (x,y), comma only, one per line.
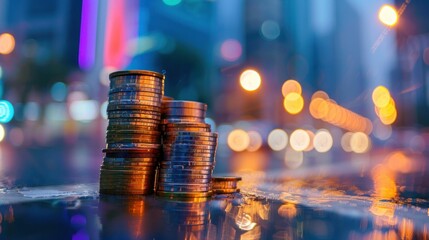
(388,15)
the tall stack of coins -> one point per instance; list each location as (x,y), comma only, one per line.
(133,138)
(189,149)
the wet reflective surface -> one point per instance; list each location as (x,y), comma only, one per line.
(357,199)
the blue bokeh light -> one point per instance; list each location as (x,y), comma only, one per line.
(6,111)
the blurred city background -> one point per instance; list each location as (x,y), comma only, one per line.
(290,85)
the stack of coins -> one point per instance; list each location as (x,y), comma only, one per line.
(133,138)
(189,149)
(225,185)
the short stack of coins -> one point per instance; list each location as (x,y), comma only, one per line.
(225,185)
(189,149)
(133,137)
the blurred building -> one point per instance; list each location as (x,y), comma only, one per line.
(411,79)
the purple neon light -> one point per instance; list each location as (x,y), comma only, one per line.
(88,30)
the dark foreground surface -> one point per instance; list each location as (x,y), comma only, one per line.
(274,207)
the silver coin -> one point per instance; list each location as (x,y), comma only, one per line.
(133,107)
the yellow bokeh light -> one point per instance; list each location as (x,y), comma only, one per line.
(290,86)
(238,140)
(360,142)
(390,119)
(299,140)
(255,141)
(250,80)
(323,141)
(2,133)
(388,15)
(381,96)
(277,139)
(7,43)
(293,103)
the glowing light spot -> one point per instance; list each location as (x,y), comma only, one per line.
(250,80)
(299,140)
(59,91)
(2,133)
(293,159)
(287,210)
(399,162)
(310,145)
(323,141)
(103,109)
(293,103)
(381,96)
(270,29)
(231,50)
(381,131)
(88,32)
(359,142)
(320,94)
(277,139)
(290,86)
(390,118)
(244,222)
(255,141)
(6,111)
(104,75)
(211,122)
(32,111)
(345,141)
(319,108)
(84,110)
(7,43)
(238,140)
(172,2)
(388,15)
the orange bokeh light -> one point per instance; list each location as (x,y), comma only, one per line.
(290,86)
(7,43)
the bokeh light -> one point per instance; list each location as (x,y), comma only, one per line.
(345,141)
(293,159)
(310,145)
(320,94)
(2,133)
(84,110)
(270,29)
(172,2)
(255,141)
(381,131)
(323,141)
(6,111)
(293,103)
(300,140)
(250,80)
(388,15)
(360,142)
(277,139)
(103,109)
(381,96)
(59,91)
(7,43)
(231,50)
(238,140)
(290,86)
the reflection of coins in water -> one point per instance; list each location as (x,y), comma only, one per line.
(225,185)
